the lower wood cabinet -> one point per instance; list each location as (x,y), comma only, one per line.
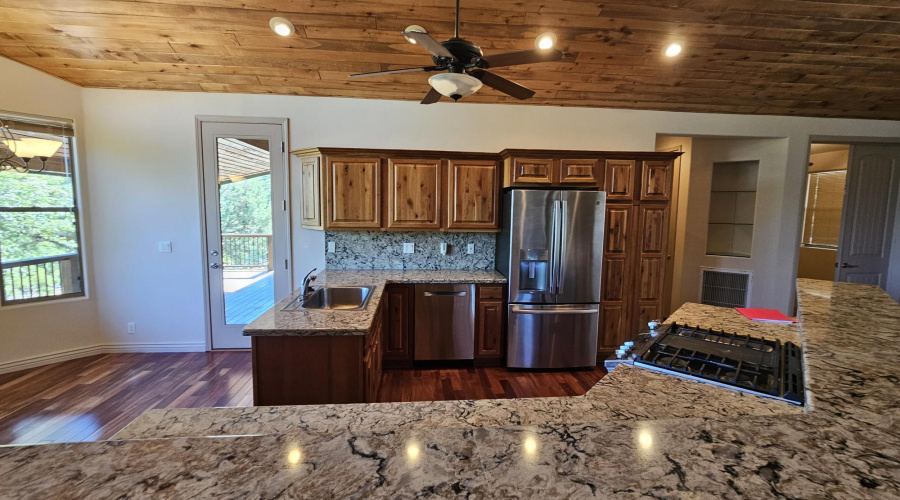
(397,336)
(293,370)
(490,332)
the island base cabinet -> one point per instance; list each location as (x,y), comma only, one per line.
(297,370)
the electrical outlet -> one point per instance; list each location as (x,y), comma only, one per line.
(131,328)
(330,247)
(444,248)
(409,248)
(470,248)
(165,247)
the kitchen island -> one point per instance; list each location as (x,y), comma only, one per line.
(635,434)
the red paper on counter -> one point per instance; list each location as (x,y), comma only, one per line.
(767,315)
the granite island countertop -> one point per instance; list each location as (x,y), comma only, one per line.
(311,322)
(847,444)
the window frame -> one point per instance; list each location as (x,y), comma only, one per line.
(807,213)
(70,143)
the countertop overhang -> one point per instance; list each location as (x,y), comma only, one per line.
(632,435)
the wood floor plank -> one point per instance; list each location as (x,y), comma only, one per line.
(92,398)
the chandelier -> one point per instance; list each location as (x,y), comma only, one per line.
(23,150)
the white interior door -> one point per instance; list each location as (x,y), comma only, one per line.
(247,229)
(870,207)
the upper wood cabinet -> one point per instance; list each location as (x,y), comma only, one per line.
(473,195)
(353,193)
(578,172)
(656,180)
(532,171)
(414,194)
(310,192)
(619,181)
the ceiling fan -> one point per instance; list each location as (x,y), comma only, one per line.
(466,66)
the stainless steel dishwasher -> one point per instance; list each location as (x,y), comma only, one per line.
(445,322)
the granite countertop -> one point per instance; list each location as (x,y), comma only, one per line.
(845,445)
(307,322)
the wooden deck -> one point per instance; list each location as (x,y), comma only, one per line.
(245,305)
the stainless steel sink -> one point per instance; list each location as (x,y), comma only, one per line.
(344,298)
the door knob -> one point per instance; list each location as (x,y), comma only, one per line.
(844,265)
(214,265)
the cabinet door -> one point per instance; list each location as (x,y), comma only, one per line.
(490,338)
(651,255)
(619,181)
(397,334)
(473,195)
(311,192)
(353,193)
(656,180)
(618,279)
(532,171)
(414,194)
(579,172)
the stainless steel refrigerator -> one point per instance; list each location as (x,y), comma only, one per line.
(551,250)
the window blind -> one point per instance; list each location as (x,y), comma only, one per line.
(824,201)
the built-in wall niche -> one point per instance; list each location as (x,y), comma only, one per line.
(732,207)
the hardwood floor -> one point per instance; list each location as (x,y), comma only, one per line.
(92,398)
(483,383)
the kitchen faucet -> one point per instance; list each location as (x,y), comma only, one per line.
(307,280)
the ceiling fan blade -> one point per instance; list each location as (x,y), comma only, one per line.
(429,44)
(522,57)
(503,85)
(402,70)
(432,97)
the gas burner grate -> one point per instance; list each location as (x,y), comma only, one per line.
(752,364)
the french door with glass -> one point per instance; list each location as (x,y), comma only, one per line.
(247,230)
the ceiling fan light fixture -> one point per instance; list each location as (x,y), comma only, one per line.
(281,26)
(414,28)
(455,85)
(545,41)
(673,49)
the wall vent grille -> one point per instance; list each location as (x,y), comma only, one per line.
(724,288)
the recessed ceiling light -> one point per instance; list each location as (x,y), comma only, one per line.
(417,29)
(673,49)
(281,26)
(545,41)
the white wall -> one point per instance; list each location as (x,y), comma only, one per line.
(768,287)
(677,215)
(142,170)
(28,331)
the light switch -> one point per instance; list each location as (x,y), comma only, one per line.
(444,248)
(165,247)
(330,247)
(470,248)
(409,248)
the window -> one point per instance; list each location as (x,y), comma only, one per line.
(824,202)
(732,208)
(40,250)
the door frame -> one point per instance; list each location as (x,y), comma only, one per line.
(199,120)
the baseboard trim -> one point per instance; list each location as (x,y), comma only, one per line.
(81,352)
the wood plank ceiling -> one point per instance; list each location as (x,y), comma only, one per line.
(835,58)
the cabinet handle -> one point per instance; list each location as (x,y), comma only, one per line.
(445,294)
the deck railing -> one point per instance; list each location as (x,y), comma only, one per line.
(247,251)
(29,279)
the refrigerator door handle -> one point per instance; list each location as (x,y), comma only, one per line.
(565,310)
(554,248)
(563,235)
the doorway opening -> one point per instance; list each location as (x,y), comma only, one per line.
(852,214)
(825,180)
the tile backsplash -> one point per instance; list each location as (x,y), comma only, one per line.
(384,250)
